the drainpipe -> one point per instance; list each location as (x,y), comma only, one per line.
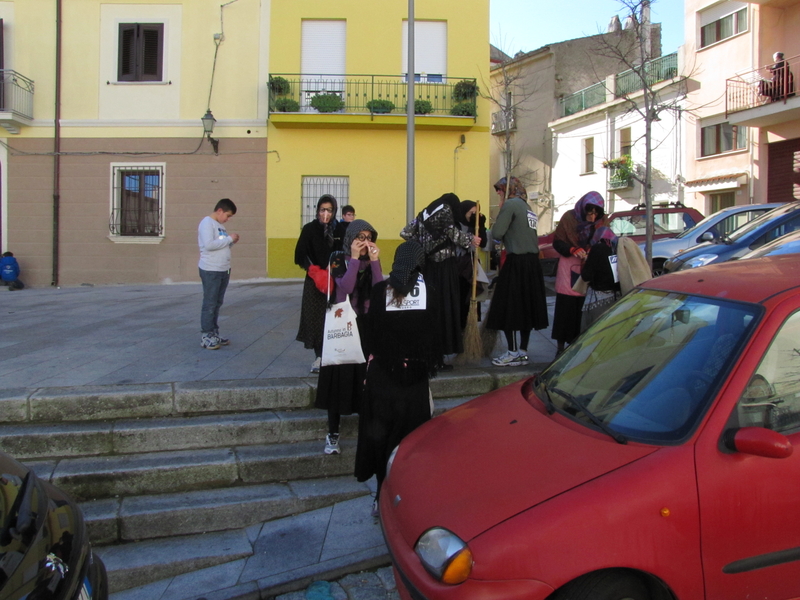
(57,149)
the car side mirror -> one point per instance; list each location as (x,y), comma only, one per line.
(759,441)
(707,236)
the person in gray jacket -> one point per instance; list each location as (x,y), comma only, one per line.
(519,303)
(215,269)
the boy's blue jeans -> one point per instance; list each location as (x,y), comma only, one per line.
(214,285)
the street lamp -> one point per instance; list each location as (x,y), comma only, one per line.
(208,128)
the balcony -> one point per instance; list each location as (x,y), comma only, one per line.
(504,120)
(619,180)
(625,83)
(297,100)
(765,96)
(16,100)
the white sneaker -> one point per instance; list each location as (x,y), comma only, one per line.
(332,444)
(210,342)
(510,359)
(316,365)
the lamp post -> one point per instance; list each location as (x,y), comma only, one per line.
(208,128)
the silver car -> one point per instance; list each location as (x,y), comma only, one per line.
(713,226)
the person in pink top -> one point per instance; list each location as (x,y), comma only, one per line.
(355,270)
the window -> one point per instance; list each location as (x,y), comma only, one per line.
(588,155)
(314,187)
(138,200)
(724,200)
(625,144)
(322,59)
(772,398)
(721,138)
(141,52)
(430,51)
(716,27)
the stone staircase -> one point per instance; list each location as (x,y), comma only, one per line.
(171,476)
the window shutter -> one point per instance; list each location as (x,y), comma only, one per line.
(126,69)
(152,44)
(323,47)
(430,47)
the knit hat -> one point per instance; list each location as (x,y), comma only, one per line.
(408,260)
(353,229)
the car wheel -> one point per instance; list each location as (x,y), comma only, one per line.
(658,266)
(605,585)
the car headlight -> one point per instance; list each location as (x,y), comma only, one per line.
(444,555)
(391,461)
(699,261)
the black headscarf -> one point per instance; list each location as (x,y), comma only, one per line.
(353,229)
(463,209)
(409,258)
(330,226)
(431,219)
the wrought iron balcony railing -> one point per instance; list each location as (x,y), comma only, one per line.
(371,94)
(764,85)
(16,94)
(504,120)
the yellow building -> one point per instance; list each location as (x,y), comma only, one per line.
(333,67)
(105,171)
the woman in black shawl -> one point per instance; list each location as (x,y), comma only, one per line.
(400,336)
(436,229)
(312,253)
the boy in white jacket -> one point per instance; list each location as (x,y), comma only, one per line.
(215,269)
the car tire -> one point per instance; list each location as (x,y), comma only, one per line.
(658,266)
(605,585)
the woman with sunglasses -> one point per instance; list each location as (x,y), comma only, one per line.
(572,241)
(355,270)
(312,253)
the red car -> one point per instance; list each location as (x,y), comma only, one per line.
(669,221)
(652,460)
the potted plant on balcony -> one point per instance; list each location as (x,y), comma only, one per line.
(423,107)
(327,102)
(464,109)
(286,105)
(279,86)
(380,106)
(621,175)
(465,90)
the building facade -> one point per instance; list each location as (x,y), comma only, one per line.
(337,113)
(105,171)
(743,126)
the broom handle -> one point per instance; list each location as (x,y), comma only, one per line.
(475,254)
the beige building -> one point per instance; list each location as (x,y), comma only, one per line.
(743,125)
(105,171)
(528,92)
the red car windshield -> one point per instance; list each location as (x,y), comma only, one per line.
(648,368)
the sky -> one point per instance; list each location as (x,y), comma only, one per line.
(530,24)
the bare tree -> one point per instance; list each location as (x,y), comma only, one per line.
(643,94)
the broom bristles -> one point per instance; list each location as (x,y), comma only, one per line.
(473,347)
(488,339)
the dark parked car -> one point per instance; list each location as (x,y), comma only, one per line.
(712,227)
(668,220)
(44,548)
(769,226)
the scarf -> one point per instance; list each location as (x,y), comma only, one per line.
(586,228)
(408,260)
(330,226)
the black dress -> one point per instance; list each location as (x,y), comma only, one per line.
(312,249)
(397,396)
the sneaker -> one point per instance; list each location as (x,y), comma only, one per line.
(316,365)
(375,510)
(332,444)
(510,359)
(222,341)
(210,342)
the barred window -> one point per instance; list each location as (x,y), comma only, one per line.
(137,204)
(314,187)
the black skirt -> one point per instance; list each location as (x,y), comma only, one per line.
(519,302)
(312,316)
(341,387)
(444,298)
(567,318)
(395,404)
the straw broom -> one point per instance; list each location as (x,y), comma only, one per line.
(473,346)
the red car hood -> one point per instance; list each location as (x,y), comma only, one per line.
(490,459)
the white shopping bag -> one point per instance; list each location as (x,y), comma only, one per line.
(341,344)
